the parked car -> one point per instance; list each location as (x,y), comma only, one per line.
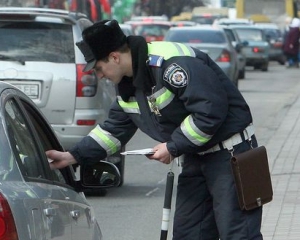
(35,201)
(275,39)
(256,47)
(150,30)
(212,41)
(38,54)
(238,45)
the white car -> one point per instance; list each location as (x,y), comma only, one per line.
(35,201)
(38,54)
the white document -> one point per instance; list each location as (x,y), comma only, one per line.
(146,151)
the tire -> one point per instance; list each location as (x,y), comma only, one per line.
(264,66)
(282,60)
(242,74)
(256,66)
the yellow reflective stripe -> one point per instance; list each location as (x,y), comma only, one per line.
(163,97)
(170,49)
(194,134)
(185,50)
(130,107)
(105,140)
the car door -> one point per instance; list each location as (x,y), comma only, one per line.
(79,212)
(54,209)
(44,202)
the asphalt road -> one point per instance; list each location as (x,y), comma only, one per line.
(134,211)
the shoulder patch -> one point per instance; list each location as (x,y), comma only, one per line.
(175,75)
(155,60)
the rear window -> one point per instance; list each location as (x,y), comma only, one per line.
(202,36)
(37,41)
(274,34)
(205,19)
(151,30)
(250,34)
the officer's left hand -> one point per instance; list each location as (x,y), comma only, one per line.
(161,154)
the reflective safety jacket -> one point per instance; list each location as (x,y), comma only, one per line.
(187,101)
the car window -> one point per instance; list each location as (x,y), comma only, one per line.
(203,36)
(204,19)
(22,142)
(230,35)
(152,30)
(24,145)
(250,34)
(273,33)
(36,41)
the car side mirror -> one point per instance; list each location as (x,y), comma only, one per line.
(268,38)
(100,175)
(245,43)
(238,47)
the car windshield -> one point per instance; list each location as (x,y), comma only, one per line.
(205,19)
(151,30)
(250,34)
(202,36)
(37,41)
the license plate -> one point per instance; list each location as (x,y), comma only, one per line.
(31,90)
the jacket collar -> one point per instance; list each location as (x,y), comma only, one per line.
(141,72)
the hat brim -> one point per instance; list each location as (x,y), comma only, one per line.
(89,66)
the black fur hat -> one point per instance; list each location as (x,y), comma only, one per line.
(102,38)
(88,55)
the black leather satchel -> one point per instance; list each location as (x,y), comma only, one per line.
(252,178)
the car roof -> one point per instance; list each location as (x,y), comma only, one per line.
(233,21)
(165,23)
(149,18)
(267,25)
(244,26)
(185,23)
(32,13)
(196,28)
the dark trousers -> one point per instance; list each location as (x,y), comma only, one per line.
(207,206)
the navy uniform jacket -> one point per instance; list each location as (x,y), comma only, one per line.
(177,95)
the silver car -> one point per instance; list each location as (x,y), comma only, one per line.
(35,201)
(212,41)
(238,45)
(256,46)
(38,54)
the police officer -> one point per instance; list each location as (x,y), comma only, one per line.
(178,96)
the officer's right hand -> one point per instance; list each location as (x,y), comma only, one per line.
(59,159)
(161,154)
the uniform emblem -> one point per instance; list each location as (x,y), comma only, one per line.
(176,75)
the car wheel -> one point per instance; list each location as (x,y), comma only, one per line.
(242,74)
(281,60)
(264,66)
(257,66)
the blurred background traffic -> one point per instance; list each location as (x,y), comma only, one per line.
(200,11)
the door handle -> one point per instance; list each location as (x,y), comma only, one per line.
(75,214)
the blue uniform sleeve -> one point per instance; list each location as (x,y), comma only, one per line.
(118,126)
